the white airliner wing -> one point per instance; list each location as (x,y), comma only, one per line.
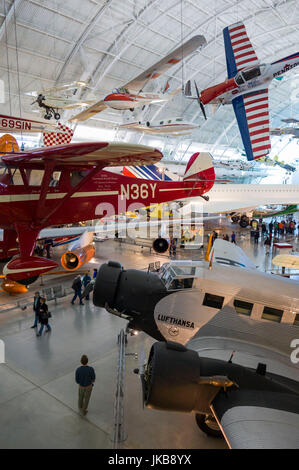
(164,64)
(229,254)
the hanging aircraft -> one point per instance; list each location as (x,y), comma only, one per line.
(292,131)
(173,126)
(60,97)
(246,88)
(67,184)
(233,199)
(17,124)
(238,324)
(131,95)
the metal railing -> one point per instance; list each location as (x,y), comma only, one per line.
(119,434)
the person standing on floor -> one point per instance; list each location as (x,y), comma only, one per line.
(256,235)
(233,238)
(85,281)
(77,287)
(267,244)
(85,377)
(44,316)
(95,272)
(36,306)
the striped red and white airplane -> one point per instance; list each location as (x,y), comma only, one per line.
(247,89)
(131,95)
(67,184)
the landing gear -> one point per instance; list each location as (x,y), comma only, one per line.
(208,425)
(131,109)
(244,222)
(235,218)
(50,111)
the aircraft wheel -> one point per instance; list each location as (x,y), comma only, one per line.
(47,116)
(131,109)
(57,116)
(208,425)
(244,222)
(235,219)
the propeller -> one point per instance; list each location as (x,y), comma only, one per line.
(199,101)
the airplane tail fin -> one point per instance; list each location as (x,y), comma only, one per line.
(200,167)
(58,138)
(8,144)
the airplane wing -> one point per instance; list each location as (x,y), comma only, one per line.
(137,84)
(238,49)
(258,419)
(263,410)
(252,114)
(227,253)
(89,112)
(85,155)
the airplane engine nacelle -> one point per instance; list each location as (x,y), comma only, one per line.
(72,260)
(172,381)
(211,93)
(26,270)
(160,245)
(131,294)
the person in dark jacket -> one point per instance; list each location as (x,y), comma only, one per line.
(43,317)
(85,281)
(85,377)
(95,272)
(36,306)
(77,287)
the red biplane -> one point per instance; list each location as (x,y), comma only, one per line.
(65,184)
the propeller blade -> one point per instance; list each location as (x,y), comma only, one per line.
(199,102)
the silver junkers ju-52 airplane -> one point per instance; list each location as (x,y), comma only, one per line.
(227,336)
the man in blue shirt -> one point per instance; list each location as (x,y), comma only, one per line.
(85,378)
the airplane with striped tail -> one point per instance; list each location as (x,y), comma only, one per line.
(246,88)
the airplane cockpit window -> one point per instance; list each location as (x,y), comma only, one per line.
(181,283)
(55,179)
(177,277)
(239,80)
(16,177)
(36,177)
(77,176)
(251,73)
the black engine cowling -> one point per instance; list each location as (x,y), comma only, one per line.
(172,378)
(160,245)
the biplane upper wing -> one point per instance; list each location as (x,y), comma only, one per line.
(137,84)
(85,155)
(89,112)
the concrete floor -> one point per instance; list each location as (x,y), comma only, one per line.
(38,395)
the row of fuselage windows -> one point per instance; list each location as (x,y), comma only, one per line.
(245,308)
